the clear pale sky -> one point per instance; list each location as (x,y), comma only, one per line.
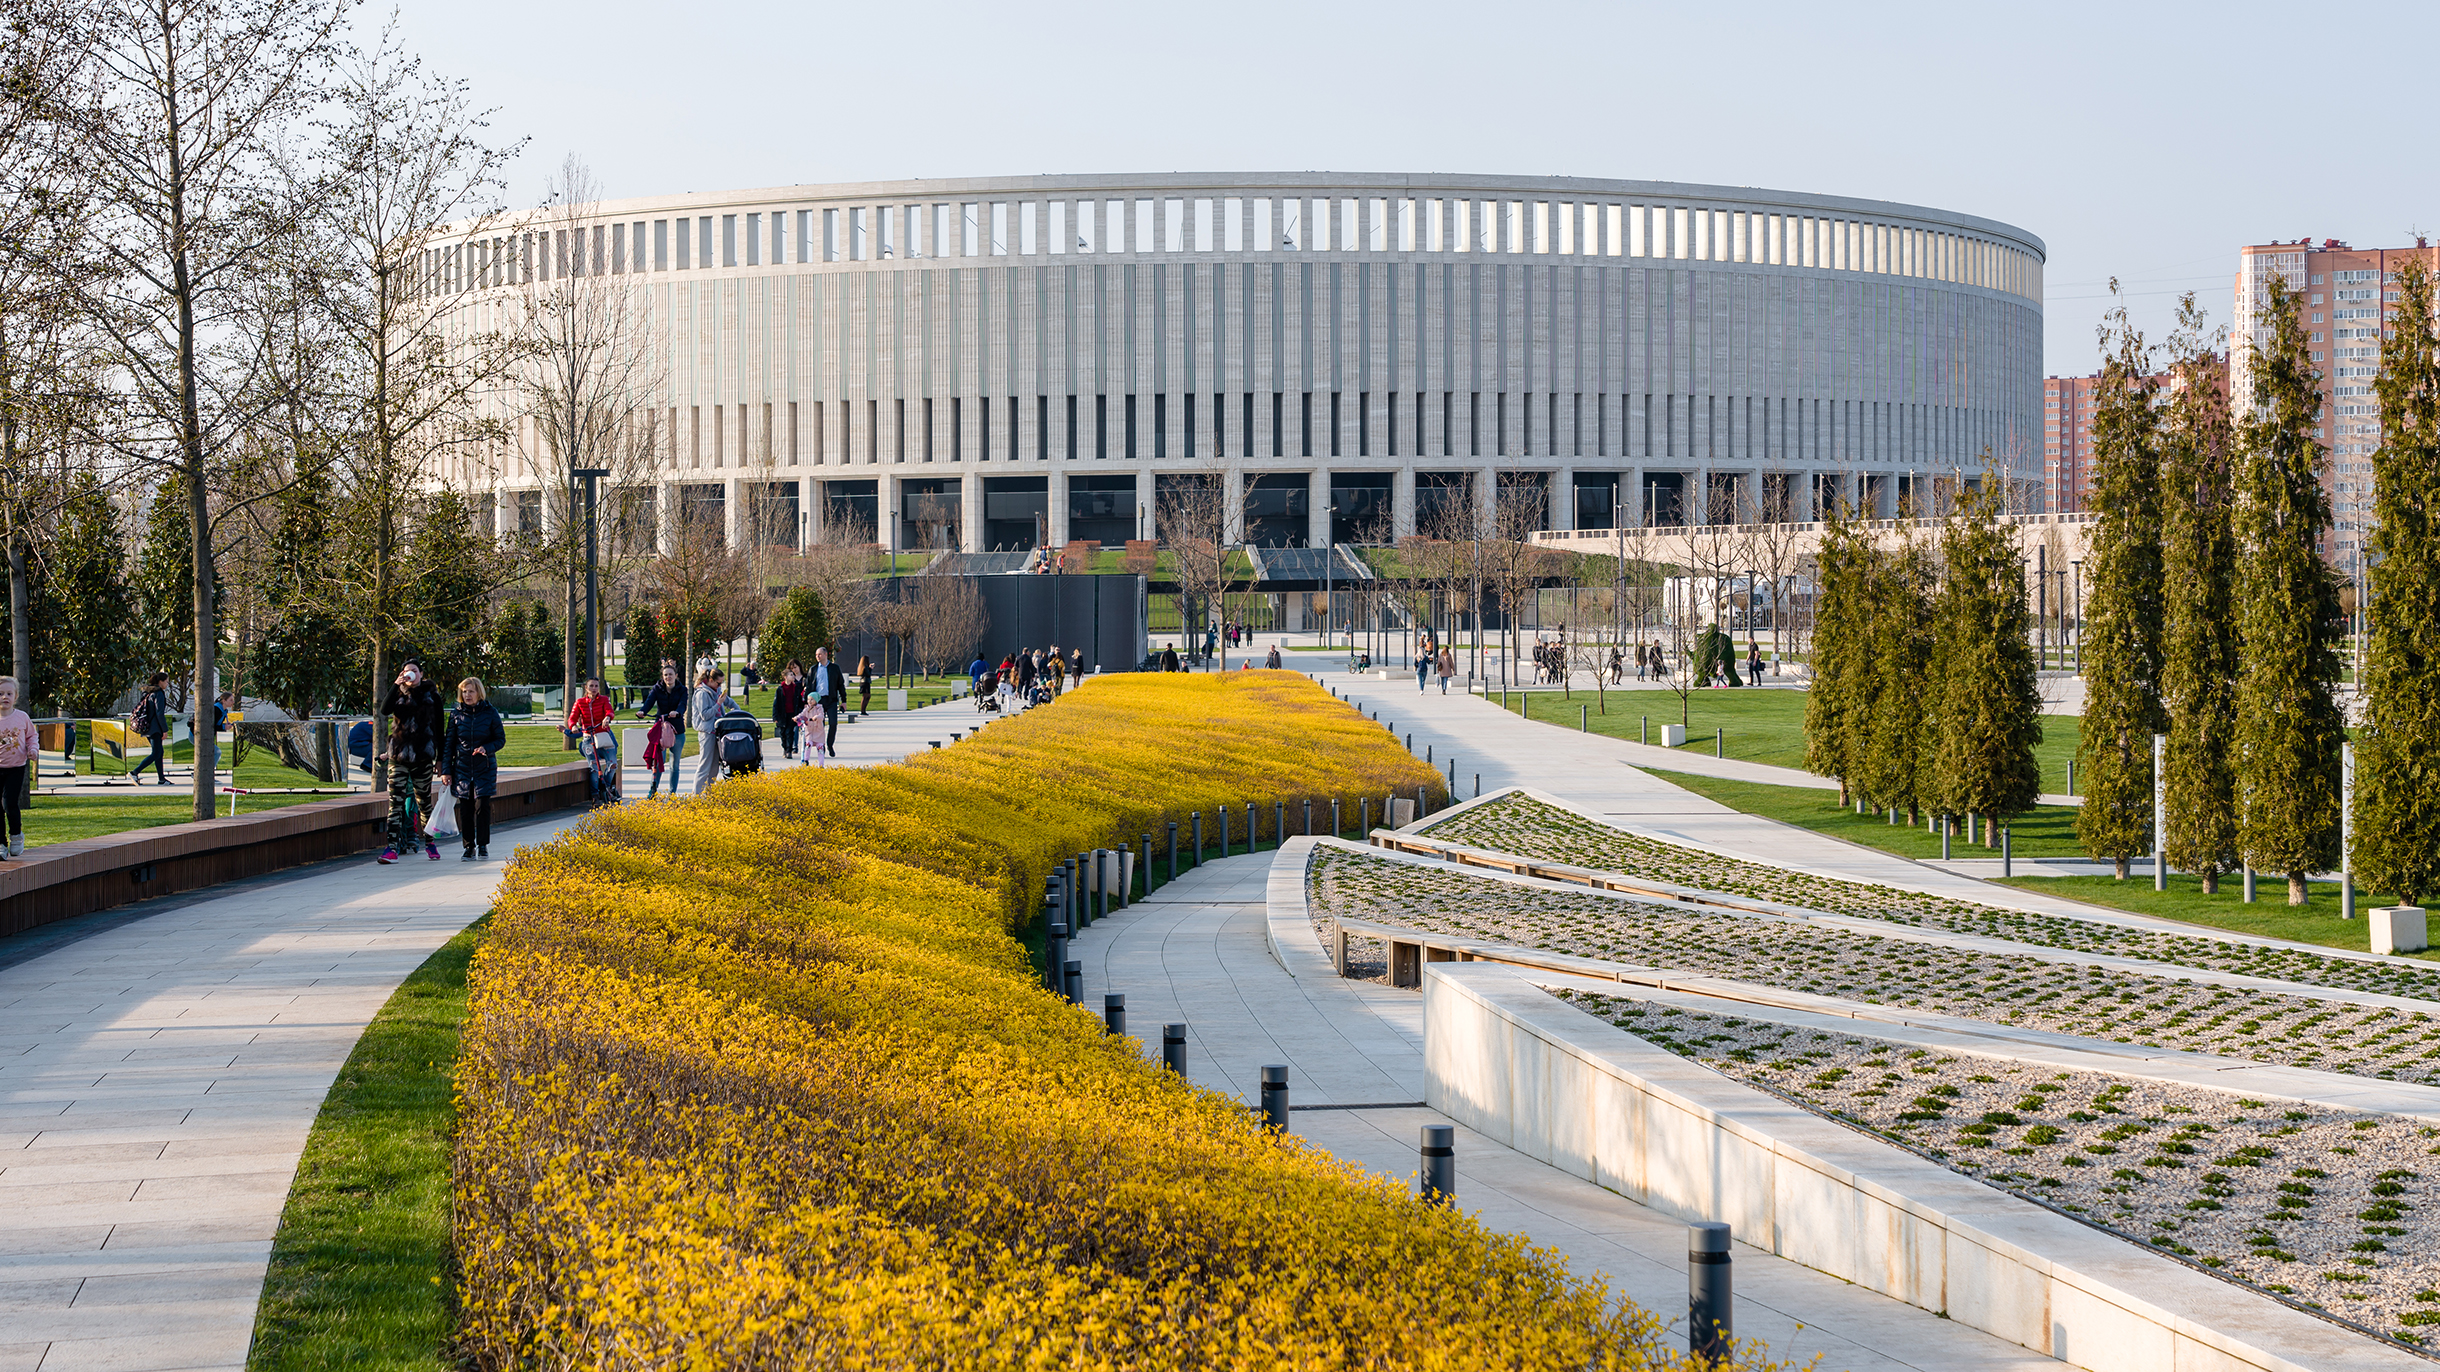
(2142,141)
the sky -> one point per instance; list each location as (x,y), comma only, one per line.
(2139,141)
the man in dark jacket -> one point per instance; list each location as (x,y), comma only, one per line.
(665,705)
(828,685)
(411,711)
(1169,658)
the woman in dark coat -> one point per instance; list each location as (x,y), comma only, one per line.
(470,765)
(787,703)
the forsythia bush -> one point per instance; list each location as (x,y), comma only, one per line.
(762,1079)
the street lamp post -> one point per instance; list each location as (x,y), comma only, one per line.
(2076,601)
(591,476)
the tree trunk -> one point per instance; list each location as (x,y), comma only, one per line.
(207,638)
(2120,862)
(2298,892)
(2211,880)
(21,628)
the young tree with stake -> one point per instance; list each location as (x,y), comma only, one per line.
(2198,630)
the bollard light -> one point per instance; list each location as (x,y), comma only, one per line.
(1198,838)
(1173,850)
(1279,823)
(1147,863)
(1249,828)
(1336,828)
(1222,812)
(1114,1012)
(1054,956)
(1437,1183)
(1075,981)
(1173,1048)
(1308,819)
(1275,1098)
(1710,1323)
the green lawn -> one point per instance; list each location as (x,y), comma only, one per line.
(1766,726)
(61,818)
(359,1274)
(2049,831)
(2269,916)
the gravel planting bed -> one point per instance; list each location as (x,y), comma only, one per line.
(2163,1011)
(1531,828)
(2315,1205)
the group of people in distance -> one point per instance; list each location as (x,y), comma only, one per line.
(1028,676)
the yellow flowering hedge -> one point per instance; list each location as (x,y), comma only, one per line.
(761,1078)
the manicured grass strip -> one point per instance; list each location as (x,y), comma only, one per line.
(60,818)
(1765,725)
(2270,915)
(2048,831)
(359,1273)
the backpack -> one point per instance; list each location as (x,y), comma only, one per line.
(148,714)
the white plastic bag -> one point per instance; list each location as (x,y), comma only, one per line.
(442,822)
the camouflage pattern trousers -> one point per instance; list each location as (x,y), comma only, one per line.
(410,804)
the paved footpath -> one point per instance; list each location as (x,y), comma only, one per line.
(158,1076)
(1196,952)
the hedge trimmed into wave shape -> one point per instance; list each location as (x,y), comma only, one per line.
(763,1079)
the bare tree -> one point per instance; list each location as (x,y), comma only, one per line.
(186,206)
(1447,554)
(1191,519)
(1512,563)
(585,368)
(950,621)
(698,579)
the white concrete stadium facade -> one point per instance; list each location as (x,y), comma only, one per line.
(993,363)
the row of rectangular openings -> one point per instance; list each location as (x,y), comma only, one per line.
(1542,425)
(971,229)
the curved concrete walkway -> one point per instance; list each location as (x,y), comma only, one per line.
(160,1067)
(1197,952)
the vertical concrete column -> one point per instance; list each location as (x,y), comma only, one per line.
(732,513)
(885,510)
(664,516)
(1562,512)
(1319,510)
(970,513)
(1402,502)
(1148,509)
(1234,499)
(1058,499)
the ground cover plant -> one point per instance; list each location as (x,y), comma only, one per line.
(2314,1204)
(762,1077)
(1528,827)
(2086,999)
(2045,831)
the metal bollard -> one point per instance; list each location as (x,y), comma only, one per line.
(1948,826)
(1410,745)
(1106,866)
(1114,1012)
(1075,981)
(1718,746)
(1173,1048)
(1146,864)
(1222,812)
(2249,883)
(1364,816)
(1275,1098)
(1173,850)
(1438,1182)
(1337,829)
(1427,752)
(1584,719)
(1198,838)
(1308,819)
(1279,823)
(2005,869)
(1249,828)
(1643,731)
(1452,776)
(1423,798)
(1710,1323)
(1054,958)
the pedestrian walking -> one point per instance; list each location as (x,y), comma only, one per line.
(1056,668)
(150,720)
(19,744)
(665,707)
(977,673)
(1446,667)
(786,704)
(711,702)
(1423,668)
(469,768)
(827,687)
(411,710)
(864,682)
(1269,659)
(588,722)
(1169,657)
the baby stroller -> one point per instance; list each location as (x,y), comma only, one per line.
(987,694)
(736,739)
(600,752)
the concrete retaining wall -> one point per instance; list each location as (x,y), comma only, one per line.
(1524,1068)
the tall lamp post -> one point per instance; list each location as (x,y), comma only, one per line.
(592,476)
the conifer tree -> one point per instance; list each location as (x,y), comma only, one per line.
(2397,779)
(1989,706)
(97,651)
(642,645)
(1838,702)
(307,658)
(2122,636)
(448,563)
(511,647)
(2288,725)
(2199,630)
(1898,752)
(164,589)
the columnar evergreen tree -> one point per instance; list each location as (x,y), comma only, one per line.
(2122,636)
(1898,742)
(301,664)
(2288,724)
(547,646)
(97,649)
(2199,630)
(1839,701)
(2397,779)
(511,649)
(1990,709)
(448,566)
(643,644)
(795,627)
(165,588)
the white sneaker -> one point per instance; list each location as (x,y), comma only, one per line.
(16,845)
